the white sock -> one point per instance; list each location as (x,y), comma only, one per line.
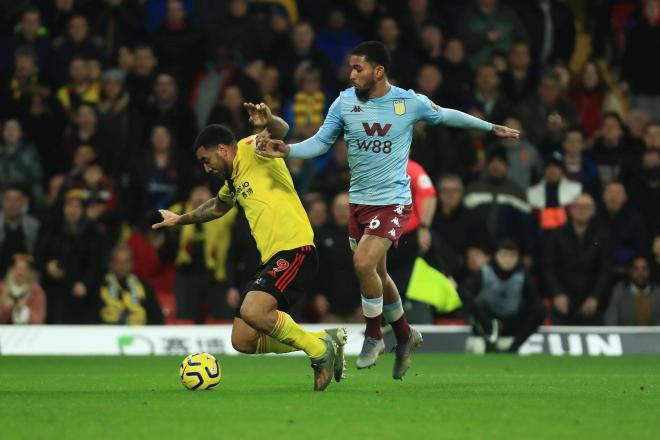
(393,312)
(372,307)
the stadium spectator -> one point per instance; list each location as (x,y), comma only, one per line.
(298,50)
(637,121)
(455,70)
(29,35)
(365,17)
(22,300)
(21,83)
(544,108)
(502,299)
(317,210)
(124,298)
(100,198)
(154,253)
(652,135)
(180,48)
(635,300)
(576,266)
(337,38)
(118,21)
(20,161)
(650,139)
(551,28)
(436,146)
(119,119)
(488,26)
(591,97)
(432,44)
(71,256)
(520,79)
(418,14)
(236,30)
(640,70)
(487,96)
(577,166)
(453,226)
(306,110)
(78,42)
(80,89)
(157,177)
(140,79)
(201,262)
(550,197)
(628,235)
(269,85)
(645,190)
(430,83)
(165,106)
(229,112)
(524,162)
(338,293)
(211,83)
(403,66)
(476,257)
(18,230)
(655,260)
(501,204)
(85,131)
(334,176)
(613,150)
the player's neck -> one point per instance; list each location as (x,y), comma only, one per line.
(231,155)
(382,88)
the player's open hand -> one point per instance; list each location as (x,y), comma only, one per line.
(169,219)
(260,114)
(505,132)
(268,147)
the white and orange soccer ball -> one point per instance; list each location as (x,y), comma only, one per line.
(200,371)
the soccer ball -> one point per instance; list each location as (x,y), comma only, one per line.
(199,371)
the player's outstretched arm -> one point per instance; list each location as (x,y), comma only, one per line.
(262,118)
(210,210)
(505,132)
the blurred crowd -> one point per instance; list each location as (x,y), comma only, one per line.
(100,101)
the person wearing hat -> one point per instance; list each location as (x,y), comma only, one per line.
(500,204)
(502,300)
(118,117)
(552,194)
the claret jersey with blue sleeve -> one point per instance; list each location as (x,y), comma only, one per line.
(378,133)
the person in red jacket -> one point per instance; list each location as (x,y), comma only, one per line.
(415,241)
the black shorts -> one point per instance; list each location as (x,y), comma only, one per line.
(287,276)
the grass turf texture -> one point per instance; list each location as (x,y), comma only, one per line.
(443,396)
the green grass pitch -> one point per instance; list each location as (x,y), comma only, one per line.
(269,397)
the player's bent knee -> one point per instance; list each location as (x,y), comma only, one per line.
(242,345)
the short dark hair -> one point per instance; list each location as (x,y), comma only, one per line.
(213,135)
(375,53)
(20,187)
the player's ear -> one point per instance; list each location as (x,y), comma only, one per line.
(380,72)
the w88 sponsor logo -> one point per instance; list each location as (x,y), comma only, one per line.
(375,146)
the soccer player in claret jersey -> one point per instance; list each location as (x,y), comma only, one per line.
(377,120)
(264,189)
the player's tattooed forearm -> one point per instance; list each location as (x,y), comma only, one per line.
(203,213)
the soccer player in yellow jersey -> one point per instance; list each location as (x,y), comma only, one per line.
(264,189)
